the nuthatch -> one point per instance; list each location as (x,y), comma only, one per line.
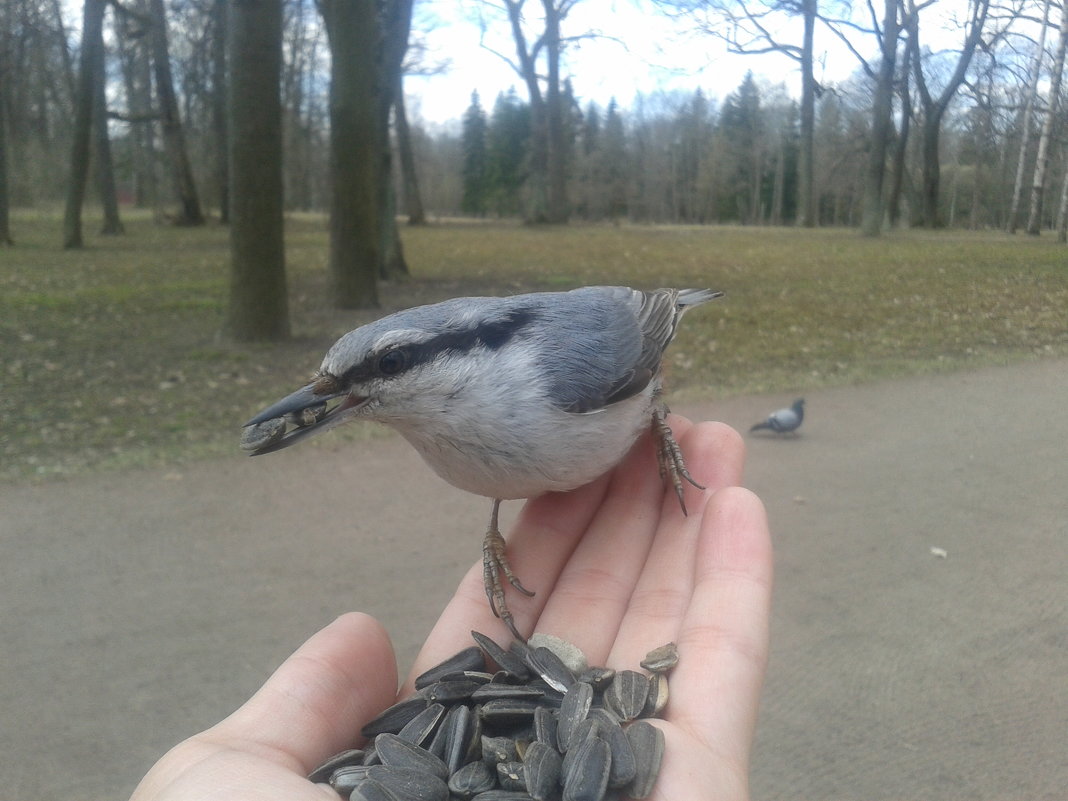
(505,397)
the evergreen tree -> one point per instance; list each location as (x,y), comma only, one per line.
(614,163)
(475,194)
(507,153)
(741,127)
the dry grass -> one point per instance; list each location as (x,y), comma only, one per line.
(112,355)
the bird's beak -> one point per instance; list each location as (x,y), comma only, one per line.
(299,415)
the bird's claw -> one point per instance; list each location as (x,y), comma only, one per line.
(494,563)
(669,458)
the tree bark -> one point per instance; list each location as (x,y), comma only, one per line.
(258,306)
(882,124)
(413,200)
(104,166)
(173,134)
(220,18)
(395,21)
(92,36)
(934,108)
(557,210)
(1038,185)
(1025,123)
(806,212)
(355,151)
(5,216)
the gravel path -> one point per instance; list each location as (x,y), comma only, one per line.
(920,632)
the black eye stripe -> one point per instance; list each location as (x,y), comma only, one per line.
(492,335)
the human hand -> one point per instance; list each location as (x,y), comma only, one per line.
(617,569)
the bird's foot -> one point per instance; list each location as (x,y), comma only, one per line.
(669,457)
(494,563)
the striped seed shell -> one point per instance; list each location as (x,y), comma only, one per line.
(511,776)
(344,759)
(399,753)
(420,729)
(470,658)
(647,741)
(394,718)
(370,790)
(472,779)
(662,659)
(626,695)
(410,784)
(624,766)
(586,779)
(542,767)
(573,710)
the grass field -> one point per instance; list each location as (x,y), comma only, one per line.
(112,356)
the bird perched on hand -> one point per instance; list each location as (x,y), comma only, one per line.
(784,421)
(503,397)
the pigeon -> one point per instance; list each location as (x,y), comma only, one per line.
(784,420)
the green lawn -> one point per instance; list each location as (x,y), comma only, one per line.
(112,355)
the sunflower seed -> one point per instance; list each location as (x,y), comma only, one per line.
(470,658)
(647,742)
(447,692)
(502,795)
(395,717)
(573,710)
(487,692)
(624,766)
(551,668)
(587,777)
(571,655)
(457,731)
(345,759)
(398,753)
(662,659)
(344,780)
(420,729)
(498,749)
(511,776)
(545,727)
(471,779)
(410,784)
(370,790)
(597,677)
(506,660)
(589,729)
(658,695)
(626,695)
(505,712)
(253,438)
(308,416)
(542,765)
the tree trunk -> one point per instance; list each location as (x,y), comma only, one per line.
(173,135)
(1062,209)
(1025,123)
(220,16)
(104,166)
(258,306)
(413,200)
(355,151)
(5,217)
(137,79)
(881,126)
(934,109)
(556,138)
(92,30)
(1038,185)
(806,214)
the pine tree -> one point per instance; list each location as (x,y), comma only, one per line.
(475,187)
(508,152)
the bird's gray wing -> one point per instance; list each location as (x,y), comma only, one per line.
(607,344)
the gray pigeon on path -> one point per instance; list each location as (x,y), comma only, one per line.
(784,420)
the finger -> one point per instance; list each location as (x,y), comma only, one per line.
(600,576)
(715,454)
(539,544)
(315,703)
(723,640)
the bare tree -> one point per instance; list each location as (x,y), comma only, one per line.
(882,122)
(1025,121)
(104,165)
(934,107)
(173,133)
(92,39)
(258,306)
(5,217)
(1038,185)
(413,200)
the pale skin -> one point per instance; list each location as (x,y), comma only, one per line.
(617,569)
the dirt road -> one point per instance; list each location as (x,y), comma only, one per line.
(920,632)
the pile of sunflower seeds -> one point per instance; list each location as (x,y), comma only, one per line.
(544,727)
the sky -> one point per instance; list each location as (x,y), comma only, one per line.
(643,51)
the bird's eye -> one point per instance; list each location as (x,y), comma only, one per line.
(392,362)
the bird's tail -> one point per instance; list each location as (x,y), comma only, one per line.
(695,297)
(760,426)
